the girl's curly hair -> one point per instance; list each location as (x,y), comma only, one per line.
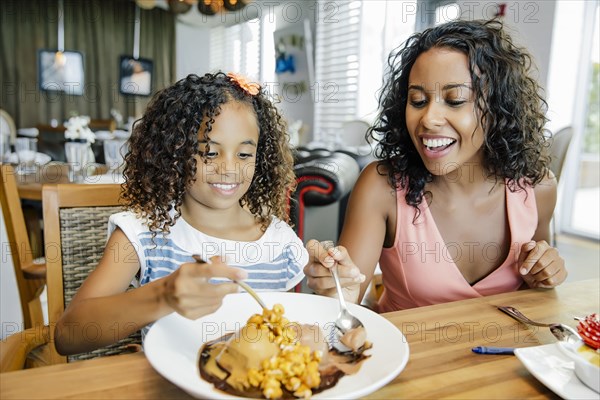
(507,100)
(160,165)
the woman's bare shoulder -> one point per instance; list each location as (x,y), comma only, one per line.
(373,186)
(375,173)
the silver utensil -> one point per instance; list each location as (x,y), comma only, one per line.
(242,284)
(562,332)
(345,321)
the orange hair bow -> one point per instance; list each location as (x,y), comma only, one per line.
(251,88)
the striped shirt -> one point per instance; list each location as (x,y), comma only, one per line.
(274,262)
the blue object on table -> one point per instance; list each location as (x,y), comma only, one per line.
(493,350)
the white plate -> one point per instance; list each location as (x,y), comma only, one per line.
(105,178)
(173,342)
(121,134)
(40,158)
(555,370)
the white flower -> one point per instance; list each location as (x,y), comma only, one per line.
(77,128)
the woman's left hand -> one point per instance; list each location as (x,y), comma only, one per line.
(541,266)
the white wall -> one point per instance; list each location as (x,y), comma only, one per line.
(530,24)
(192,49)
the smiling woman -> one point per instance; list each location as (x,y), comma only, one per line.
(460,203)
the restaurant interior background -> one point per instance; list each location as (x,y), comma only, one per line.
(324,60)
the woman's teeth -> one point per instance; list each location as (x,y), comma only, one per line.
(224,186)
(435,143)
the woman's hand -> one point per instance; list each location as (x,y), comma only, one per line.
(541,266)
(318,276)
(189,293)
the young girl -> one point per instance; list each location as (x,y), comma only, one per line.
(460,203)
(208,174)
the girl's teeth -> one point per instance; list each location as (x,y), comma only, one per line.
(433,143)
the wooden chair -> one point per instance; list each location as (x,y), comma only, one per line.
(75,233)
(24,349)
(7,122)
(30,274)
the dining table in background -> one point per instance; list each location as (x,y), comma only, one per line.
(441,363)
(30,185)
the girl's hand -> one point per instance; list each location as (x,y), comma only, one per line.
(541,266)
(318,276)
(188,292)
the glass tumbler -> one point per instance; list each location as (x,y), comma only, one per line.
(26,149)
(77,156)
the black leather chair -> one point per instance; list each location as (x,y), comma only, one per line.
(323,178)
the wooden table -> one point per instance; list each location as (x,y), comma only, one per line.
(30,186)
(441,363)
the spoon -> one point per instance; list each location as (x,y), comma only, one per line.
(242,284)
(345,322)
(562,332)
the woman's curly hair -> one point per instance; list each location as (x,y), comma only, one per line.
(507,99)
(161,163)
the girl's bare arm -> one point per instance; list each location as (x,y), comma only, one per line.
(103,312)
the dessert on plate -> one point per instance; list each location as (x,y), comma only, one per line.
(589,330)
(586,355)
(271,357)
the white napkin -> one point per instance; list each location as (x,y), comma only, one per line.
(29,132)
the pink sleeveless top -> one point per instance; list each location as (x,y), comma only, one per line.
(419,270)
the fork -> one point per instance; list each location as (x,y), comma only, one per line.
(345,321)
(242,284)
(560,331)
(519,316)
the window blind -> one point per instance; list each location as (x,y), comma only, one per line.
(337,48)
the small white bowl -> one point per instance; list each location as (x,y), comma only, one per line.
(586,362)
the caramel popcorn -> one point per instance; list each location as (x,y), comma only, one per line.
(295,367)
